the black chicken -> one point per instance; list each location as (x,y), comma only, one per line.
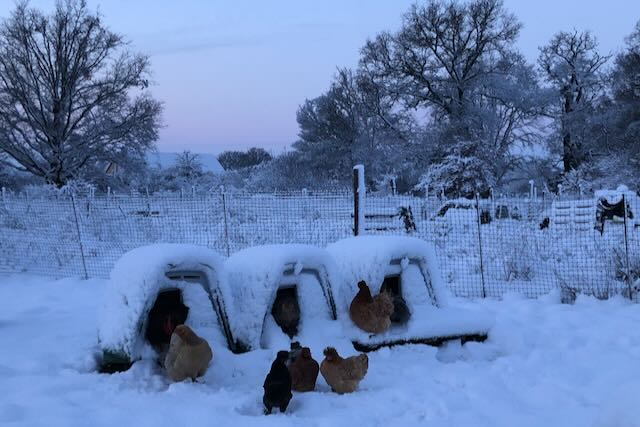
(277,385)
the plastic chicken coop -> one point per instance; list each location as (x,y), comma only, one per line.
(407,267)
(153,286)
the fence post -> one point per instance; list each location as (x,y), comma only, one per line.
(75,214)
(226,224)
(626,245)
(358,200)
(484,293)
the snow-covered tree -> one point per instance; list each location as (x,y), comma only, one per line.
(574,68)
(626,93)
(234,160)
(188,165)
(351,123)
(71,93)
(455,63)
(442,54)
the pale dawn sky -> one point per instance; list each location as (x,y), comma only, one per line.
(232,73)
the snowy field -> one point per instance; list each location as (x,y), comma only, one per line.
(545,364)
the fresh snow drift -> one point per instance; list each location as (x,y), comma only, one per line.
(544,364)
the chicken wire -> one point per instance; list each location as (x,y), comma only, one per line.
(484,247)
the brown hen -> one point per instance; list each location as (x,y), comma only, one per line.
(304,371)
(188,355)
(371,314)
(343,375)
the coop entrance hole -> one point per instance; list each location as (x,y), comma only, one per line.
(286,310)
(391,284)
(401,313)
(168,311)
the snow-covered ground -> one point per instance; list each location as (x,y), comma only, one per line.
(545,364)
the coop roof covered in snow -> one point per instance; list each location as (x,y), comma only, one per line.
(134,284)
(368,258)
(163,160)
(254,275)
(615,196)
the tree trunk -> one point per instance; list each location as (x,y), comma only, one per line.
(567,157)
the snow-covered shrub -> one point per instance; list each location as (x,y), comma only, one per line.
(619,260)
(518,260)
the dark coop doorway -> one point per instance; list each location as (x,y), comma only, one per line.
(168,311)
(401,313)
(286,310)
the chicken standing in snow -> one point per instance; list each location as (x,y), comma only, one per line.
(277,385)
(371,314)
(188,356)
(304,371)
(343,375)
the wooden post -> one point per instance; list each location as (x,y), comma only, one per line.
(358,200)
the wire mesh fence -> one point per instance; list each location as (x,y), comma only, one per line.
(485,247)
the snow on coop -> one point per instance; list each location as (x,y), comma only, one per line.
(279,292)
(611,204)
(408,267)
(154,288)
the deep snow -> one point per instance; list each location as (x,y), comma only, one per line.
(545,364)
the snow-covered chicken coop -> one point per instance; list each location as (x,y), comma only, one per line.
(407,267)
(154,288)
(280,292)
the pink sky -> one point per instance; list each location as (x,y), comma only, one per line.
(233,73)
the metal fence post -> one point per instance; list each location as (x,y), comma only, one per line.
(484,293)
(626,245)
(75,214)
(358,200)
(226,224)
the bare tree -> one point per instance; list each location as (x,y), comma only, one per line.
(188,165)
(353,122)
(626,92)
(573,66)
(234,160)
(442,52)
(71,94)
(455,62)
